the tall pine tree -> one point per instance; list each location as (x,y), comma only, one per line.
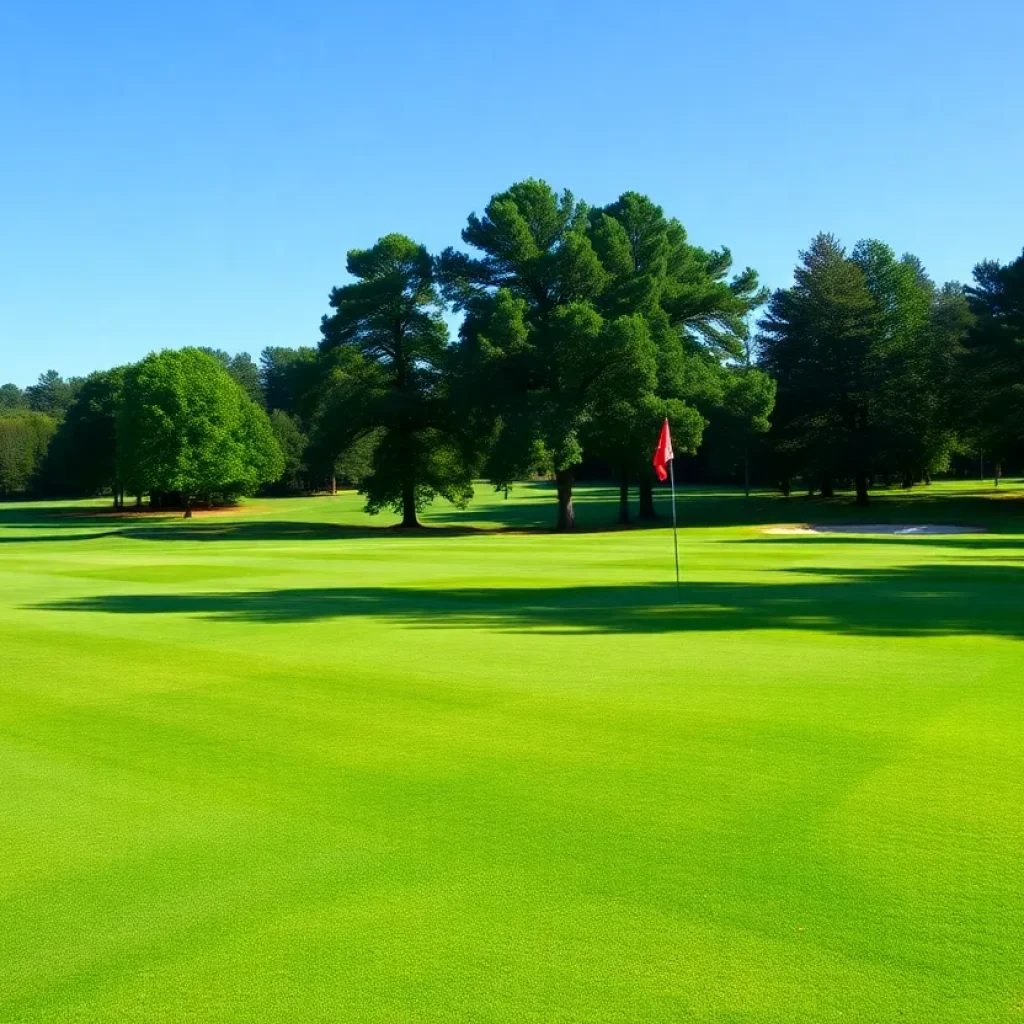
(541,354)
(818,341)
(387,395)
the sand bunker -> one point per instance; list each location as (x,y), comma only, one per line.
(893,529)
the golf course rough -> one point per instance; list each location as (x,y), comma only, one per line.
(283,764)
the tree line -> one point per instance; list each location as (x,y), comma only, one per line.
(580,329)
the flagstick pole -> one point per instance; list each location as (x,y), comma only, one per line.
(675,531)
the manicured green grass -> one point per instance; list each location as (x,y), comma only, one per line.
(276,765)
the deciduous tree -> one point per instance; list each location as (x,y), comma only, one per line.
(185,426)
(24,438)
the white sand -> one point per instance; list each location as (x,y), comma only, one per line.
(901,530)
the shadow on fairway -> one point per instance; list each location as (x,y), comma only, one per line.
(597,510)
(55,529)
(709,507)
(910,601)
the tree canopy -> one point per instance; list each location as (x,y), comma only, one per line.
(24,438)
(387,392)
(567,336)
(52,394)
(992,389)
(83,456)
(186,427)
(580,329)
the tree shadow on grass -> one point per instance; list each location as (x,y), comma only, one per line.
(710,507)
(248,531)
(926,600)
(597,510)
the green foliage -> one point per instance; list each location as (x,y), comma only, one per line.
(241,369)
(695,316)
(289,378)
(387,393)
(185,426)
(52,394)
(546,356)
(991,394)
(916,359)
(292,442)
(82,458)
(582,328)
(12,397)
(866,351)
(24,438)
(819,342)
(585,328)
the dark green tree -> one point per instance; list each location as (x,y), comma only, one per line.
(82,458)
(186,427)
(52,394)
(541,357)
(389,380)
(289,379)
(743,415)
(292,441)
(697,318)
(818,342)
(12,397)
(903,382)
(991,396)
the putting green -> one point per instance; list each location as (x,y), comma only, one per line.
(276,765)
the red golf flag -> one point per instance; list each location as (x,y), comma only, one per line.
(663,453)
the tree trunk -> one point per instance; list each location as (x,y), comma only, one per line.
(908,481)
(116,496)
(785,487)
(746,469)
(647,500)
(862,488)
(188,508)
(566,513)
(334,485)
(409,519)
(138,501)
(624,499)
(998,473)
(827,488)
(927,478)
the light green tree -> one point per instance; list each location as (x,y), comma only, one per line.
(24,439)
(186,427)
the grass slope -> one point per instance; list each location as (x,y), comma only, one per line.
(279,766)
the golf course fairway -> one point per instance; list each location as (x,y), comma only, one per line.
(282,763)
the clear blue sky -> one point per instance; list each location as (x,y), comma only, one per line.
(194,172)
